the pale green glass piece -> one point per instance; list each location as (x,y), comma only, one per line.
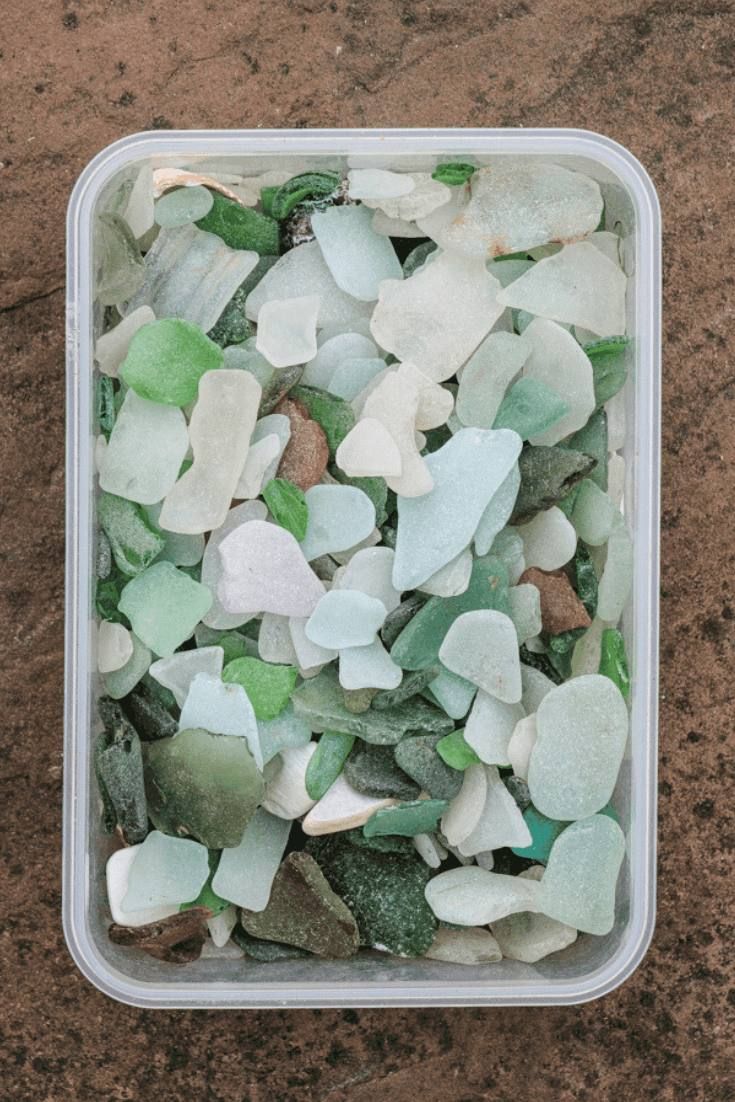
(594,514)
(145,451)
(180,549)
(498,511)
(536,685)
(487,375)
(501,822)
(340,517)
(452,693)
(433,529)
(345,618)
(508,547)
(352,376)
(368,667)
(192,275)
(490,726)
(558,361)
(221,709)
(582,728)
(245,873)
(473,896)
(617,576)
(119,269)
(530,407)
(183,205)
(482,647)
(120,682)
(286,730)
(358,257)
(166,870)
(177,672)
(578,887)
(525,611)
(164,605)
(343,347)
(530,937)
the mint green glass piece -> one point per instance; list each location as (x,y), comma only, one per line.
(182,205)
(614,660)
(207,896)
(220,709)
(286,730)
(287,506)
(167,358)
(120,682)
(352,376)
(578,887)
(241,227)
(134,542)
(245,872)
(452,693)
(164,605)
(345,618)
(146,448)
(433,529)
(268,686)
(525,611)
(455,752)
(327,761)
(416,817)
(166,871)
(593,514)
(530,407)
(592,440)
(498,512)
(418,644)
(582,729)
(358,257)
(339,518)
(544,832)
(180,548)
(617,576)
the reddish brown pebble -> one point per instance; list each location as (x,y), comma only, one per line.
(293,409)
(177,940)
(561,608)
(307,452)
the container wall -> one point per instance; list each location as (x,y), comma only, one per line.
(592,965)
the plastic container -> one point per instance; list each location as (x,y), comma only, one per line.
(593,965)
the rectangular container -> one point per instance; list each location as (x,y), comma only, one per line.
(592,966)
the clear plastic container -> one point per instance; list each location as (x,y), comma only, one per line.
(593,965)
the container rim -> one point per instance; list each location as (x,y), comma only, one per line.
(260,995)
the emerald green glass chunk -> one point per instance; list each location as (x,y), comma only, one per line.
(416,817)
(167,358)
(609,369)
(241,227)
(268,686)
(307,185)
(105,404)
(453,174)
(614,660)
(287,505)
(585,579)
(327,762)
(455,752)
(134,541)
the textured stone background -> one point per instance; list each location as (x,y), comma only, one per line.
(657,76)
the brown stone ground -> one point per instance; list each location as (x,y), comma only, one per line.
(657,76)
